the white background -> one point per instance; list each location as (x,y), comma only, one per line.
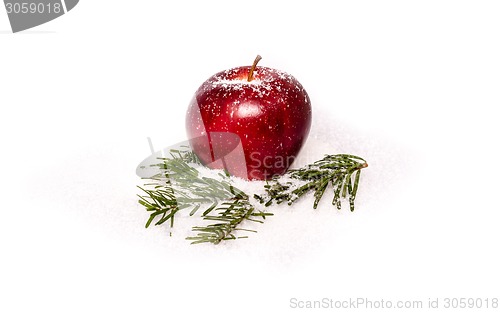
(412,86)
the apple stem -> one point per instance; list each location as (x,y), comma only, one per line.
(252,69)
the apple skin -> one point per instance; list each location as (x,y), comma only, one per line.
(253,130)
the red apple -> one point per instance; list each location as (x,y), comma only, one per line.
(251,121)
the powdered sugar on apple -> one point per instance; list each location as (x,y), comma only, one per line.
(260,84)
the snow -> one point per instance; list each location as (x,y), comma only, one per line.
(411,87)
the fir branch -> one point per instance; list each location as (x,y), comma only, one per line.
(179,185)
(336,170)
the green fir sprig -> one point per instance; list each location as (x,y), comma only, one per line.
(336,170)
(180,185)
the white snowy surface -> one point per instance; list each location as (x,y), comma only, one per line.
(411,87)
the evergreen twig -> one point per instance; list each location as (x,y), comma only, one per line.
(179,185)
(336,170)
